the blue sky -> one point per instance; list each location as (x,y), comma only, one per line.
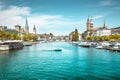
(59,16)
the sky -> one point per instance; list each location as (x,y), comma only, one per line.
(59,17)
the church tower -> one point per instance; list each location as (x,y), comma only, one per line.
(26,26)
(34,29)
(91,23)
(88,24)
(104,25)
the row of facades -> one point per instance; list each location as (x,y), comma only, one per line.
(91,30)
(18,29)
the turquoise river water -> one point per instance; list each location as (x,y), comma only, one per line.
(39,62)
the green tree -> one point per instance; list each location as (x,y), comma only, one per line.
(51,35)
(6,35)
(88,37)
(28,37)
(0,34)
(75,35)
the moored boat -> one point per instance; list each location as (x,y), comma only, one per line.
(85,44)
(27,44)
(116,47)
(99,47)
(11,44)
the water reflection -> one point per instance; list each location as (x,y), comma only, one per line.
(2,52)
(4,61)
(7,58)
(89,61)
(75,61)
(75,55)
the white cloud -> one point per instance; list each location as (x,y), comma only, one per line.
(45,23)
(98,17)
(116,8)
(53,23)
(13,15)
(107,2)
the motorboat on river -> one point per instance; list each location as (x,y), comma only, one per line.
(57,50)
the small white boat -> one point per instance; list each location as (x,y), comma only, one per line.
(27,44)
(116,47)
(99,47)
(85,44)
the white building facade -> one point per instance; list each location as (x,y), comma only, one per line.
(103,32)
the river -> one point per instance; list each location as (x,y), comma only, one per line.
(40,62)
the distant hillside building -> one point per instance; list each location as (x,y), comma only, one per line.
(115,30)
(3,27)
(18,27)
(103,32)
(8,29)
(46,37)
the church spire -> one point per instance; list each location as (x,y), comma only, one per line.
(88,23)
(104,23)
(88,19)
(26,26)
(34,29)
(26,23)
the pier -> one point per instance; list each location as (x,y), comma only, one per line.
(11,44)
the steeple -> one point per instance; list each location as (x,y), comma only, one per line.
(34,29)
(26,26)
(88,19)
(104,25)
(91,19)
(91,23)
(26,23)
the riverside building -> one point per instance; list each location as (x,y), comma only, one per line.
(91,30)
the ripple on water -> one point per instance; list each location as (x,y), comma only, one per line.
(72,63)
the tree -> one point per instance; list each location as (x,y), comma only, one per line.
(35,38)
(0,34)
(5,35)
(28,37)
(88,37)
(51,35)
(75,35)
(113,37)
(13,36)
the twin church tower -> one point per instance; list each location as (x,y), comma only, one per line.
(90,26)
(89,23)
